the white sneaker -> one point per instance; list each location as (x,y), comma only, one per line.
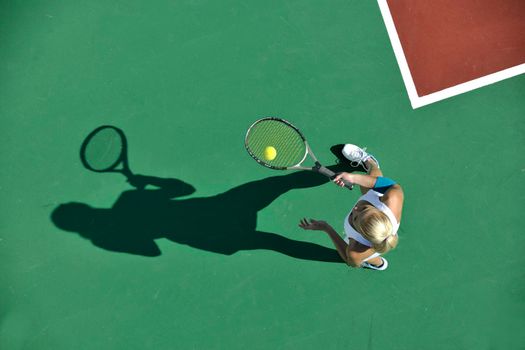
(357,156)
(383,266)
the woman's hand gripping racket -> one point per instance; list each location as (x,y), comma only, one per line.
(105,149)
(277,144)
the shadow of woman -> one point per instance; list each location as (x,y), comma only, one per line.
(225,223)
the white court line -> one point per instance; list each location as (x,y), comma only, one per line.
(418,101)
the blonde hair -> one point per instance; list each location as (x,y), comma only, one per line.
(376,227)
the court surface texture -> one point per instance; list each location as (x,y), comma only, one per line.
(226,266)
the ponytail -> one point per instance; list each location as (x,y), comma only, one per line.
(385,245)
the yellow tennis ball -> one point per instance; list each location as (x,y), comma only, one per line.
(270,153)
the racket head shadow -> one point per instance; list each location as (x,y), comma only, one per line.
(289,143)
(104,149)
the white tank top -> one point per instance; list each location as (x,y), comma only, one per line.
(371,197)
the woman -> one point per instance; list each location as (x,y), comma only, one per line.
(372,224)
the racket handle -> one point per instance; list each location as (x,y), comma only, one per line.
(330,174)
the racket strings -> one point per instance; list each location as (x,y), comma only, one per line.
(287,141)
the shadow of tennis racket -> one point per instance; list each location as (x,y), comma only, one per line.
(105,150)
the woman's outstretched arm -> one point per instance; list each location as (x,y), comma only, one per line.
(367,181)
(353,254)
(339,243)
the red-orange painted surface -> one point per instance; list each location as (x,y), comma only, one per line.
(449,42)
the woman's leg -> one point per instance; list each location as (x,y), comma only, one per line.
(377,261)
(363,253)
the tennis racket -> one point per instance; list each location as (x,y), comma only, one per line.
(105,149)
(277,144)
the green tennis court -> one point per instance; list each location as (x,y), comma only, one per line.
(184,80)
